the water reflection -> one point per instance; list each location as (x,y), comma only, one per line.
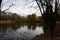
(20,32)
(31,26)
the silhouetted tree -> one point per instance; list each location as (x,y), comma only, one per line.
(0,5)
(49,16)
(0,8)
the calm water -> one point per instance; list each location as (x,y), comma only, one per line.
(23,32)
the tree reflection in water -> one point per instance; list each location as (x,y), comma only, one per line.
(32,26)
(20,32)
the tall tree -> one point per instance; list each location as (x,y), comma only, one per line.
(49,16)
(0,5)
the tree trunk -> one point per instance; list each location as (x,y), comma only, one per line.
(0,5)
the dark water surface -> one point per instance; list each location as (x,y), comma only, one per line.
(23,32)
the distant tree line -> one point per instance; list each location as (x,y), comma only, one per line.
(17,18)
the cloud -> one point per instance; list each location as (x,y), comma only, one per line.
(23,7)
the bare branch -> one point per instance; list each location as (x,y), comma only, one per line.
(39,6)
(9,7)
(42,6)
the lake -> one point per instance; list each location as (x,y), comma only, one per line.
(20,32)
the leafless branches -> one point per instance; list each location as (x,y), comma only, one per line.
(42,3)
(12,4)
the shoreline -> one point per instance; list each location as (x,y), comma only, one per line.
(6,22)
(56,37)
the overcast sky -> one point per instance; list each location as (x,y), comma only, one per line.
(21,7)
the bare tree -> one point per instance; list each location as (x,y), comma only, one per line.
(49,16)
(0,5)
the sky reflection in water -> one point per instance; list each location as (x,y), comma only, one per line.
(21,33)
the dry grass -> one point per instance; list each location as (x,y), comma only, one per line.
(6,22)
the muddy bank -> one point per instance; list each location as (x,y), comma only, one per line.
(56,37)
(41,37)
